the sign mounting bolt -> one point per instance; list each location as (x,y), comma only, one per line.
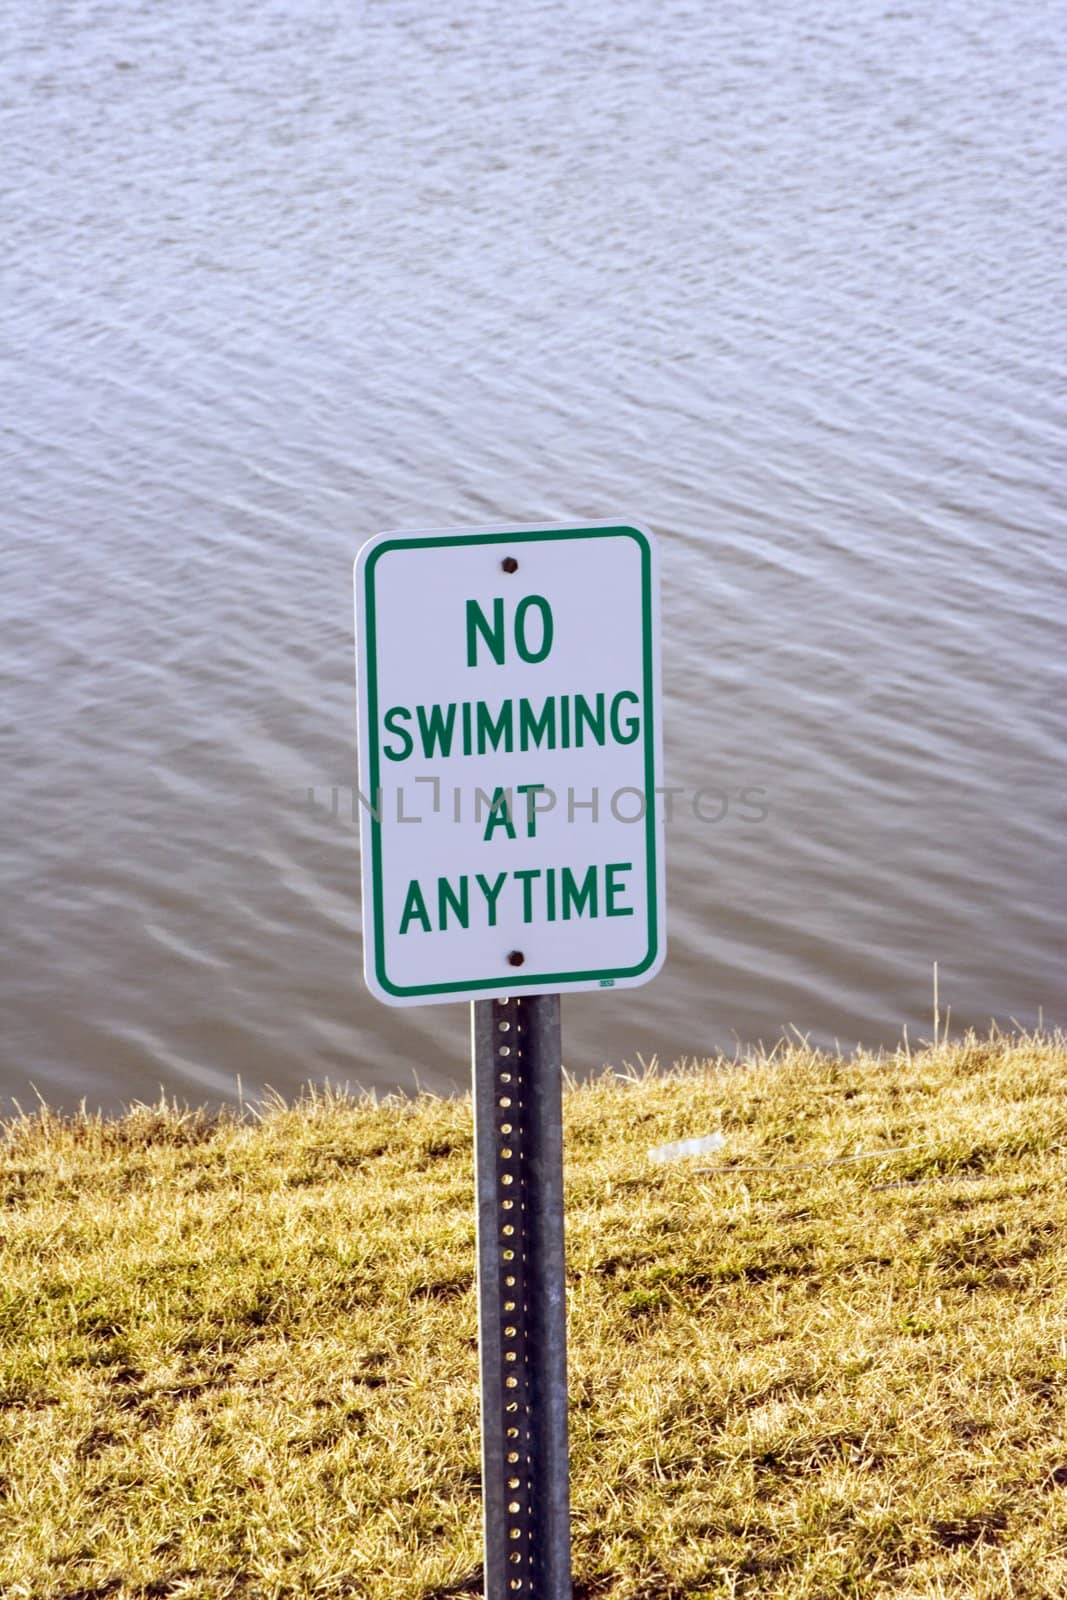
(516,958)
(509,564)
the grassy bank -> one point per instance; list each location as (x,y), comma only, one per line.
(239,1358)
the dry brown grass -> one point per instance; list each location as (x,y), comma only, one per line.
(238,1358)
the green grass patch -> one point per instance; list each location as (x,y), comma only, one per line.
(238,1357)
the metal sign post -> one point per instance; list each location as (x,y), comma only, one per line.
(522,1323)
(511,768)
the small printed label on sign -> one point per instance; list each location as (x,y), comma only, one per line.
(510,756)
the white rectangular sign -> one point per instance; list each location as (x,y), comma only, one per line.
(510,754)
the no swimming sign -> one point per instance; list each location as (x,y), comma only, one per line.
(510,756)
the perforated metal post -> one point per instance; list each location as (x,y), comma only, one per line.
(522,1325)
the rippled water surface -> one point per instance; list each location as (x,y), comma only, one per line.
(786,285)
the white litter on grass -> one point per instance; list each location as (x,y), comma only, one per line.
(687,1147)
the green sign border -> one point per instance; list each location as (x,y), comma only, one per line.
(513,980)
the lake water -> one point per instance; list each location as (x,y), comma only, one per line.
(786,285)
